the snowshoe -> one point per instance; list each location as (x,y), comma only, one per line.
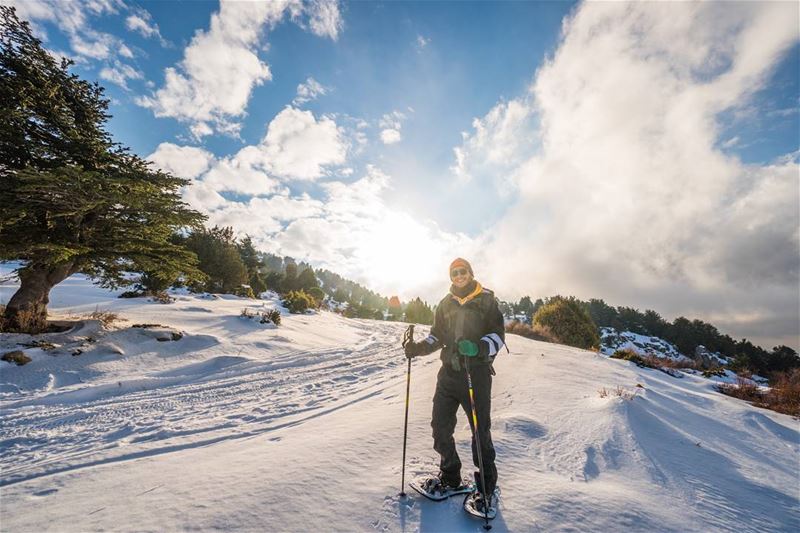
(474,505)
(434,489)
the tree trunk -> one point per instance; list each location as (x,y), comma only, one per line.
(27,310)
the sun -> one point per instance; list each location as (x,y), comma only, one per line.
(399,255)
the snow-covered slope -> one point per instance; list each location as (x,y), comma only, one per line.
(241,426)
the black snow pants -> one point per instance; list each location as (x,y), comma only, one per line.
(452,391)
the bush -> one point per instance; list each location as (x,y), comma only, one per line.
(106,318)
(270,316)
(298,301)
(317,294)
(245,291)
(536,332)
(569,322)
(273,315)
(630,355)
(783,397)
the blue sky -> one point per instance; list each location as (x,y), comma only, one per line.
(644,153)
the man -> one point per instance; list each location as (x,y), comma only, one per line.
(467,325)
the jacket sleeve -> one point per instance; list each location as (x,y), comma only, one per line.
(433,341)
(495,337)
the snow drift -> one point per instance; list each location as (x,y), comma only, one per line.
(238,425)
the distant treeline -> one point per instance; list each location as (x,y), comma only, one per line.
(685,334)
(232,265)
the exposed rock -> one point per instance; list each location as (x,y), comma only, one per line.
(706,359)
(17,357)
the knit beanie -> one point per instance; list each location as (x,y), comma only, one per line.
(458,262)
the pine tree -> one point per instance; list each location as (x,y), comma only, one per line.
(307,280)
(72,199)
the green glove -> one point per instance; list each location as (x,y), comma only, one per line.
(468,348)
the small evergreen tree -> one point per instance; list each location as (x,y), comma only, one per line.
(307,280)
(569,321)
(418,312)
(219,260)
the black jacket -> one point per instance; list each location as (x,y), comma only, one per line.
(475,317)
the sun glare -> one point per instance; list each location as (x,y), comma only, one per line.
(398,255)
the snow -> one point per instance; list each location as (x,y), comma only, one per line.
(611,340)
(239,426)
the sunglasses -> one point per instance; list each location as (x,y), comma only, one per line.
(458,272)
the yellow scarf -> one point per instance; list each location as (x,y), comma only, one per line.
(470,296)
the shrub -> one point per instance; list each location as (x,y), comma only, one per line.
(783,397)
(298,301)
(317,294)
(536,332)
(631,355)
(161,297)
(270,316)
(106,318)
(245,291)
(619,392)
(274,316)
(569,321)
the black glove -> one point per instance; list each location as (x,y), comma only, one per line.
(414,349)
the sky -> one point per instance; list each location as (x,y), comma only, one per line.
(643,153)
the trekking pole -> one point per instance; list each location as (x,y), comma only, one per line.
(408,336)
(476,436)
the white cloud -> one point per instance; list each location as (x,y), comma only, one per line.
(298,146)
(498,143)
(73,18)
(623,190)
(348,228)
(141,22)
(220,68)
(421,42)
(325,19)
(186,162)
(391,136)
(391,124)
(120,73)
(307,91)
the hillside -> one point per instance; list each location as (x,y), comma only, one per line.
(242,426)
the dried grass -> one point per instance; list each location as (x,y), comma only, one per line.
(106,318)
(619,392)
(783,397)
(536,332)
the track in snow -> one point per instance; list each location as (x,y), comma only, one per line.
(220,398)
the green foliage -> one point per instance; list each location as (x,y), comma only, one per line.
(307,280)
(298,301)
(333,283)
(273,281)
(72,200)
(356,310)
(289,282)
(245,291)
(419,312)
(317,294)
(270,316)
(218,259)
(569,321)
(633,357)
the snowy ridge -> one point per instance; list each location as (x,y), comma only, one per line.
(611,340)
(233,427)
